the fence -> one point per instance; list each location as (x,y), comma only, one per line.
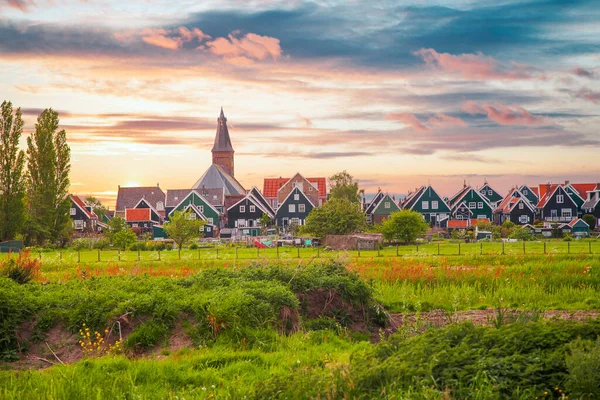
(237,253)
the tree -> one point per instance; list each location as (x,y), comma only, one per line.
(338,216)
(404,226)
(48,167)
(97,207)
(520,233)
(590,220)
(183,227)
(343,186)
(12,179)
(116,225)
(265,220)
(124,238)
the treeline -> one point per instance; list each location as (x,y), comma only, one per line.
(34,184)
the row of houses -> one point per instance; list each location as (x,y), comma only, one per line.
(228,209)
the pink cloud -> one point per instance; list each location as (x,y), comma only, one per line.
(248,47)
(436,121)
(502,114)
(172,39)
(443,121)
(589,95)
(159,38)
(584,73)
(408,119)
(18,4)
(473,66)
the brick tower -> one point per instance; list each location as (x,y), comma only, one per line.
(222,151)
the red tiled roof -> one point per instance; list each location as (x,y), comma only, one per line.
(535,191)
(543,189)
(583,188)
(474,221)
(272,185)
(458,223)
(137,214)
(77,200)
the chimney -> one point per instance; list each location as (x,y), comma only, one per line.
(464,183)
(548,188)
(566,183)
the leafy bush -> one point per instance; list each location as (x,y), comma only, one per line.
(101,244)
(141,246)
(194,246)
(124,238)
(81,244)
(22,269)
(583,363)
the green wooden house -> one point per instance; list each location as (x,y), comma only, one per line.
(493,197)
(477,204)
(380,208)
(430,204)
(197,204)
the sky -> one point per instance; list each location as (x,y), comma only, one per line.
(398,93)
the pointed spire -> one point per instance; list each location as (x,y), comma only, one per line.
(222,140)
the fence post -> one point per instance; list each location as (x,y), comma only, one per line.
(359,252)
(277,247)
(438,249)
(319,252)
(98,255)
(298,252)
(119,254)
(139,254)
(397,251)
(568,247)
(502,248)
(459,248)
(544,247)
(159,255)
(481,248)
(217,253)
(40,255)
(524,252)
(417,247)
(179,253)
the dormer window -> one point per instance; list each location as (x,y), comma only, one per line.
(160,206)
(560,198)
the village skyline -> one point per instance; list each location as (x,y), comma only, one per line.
(400,95)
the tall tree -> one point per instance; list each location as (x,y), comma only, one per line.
(343,186)
(12,181)
(97,207)
(404,225)
(48,167)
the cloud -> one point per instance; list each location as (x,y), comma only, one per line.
(172,39)
(438,120)
(502,114)
(588,95)
(473,66)
(19,4)
(584,73)
(408,119)
(237,48)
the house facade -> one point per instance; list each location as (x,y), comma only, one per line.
(129,197)
(293,210)
(556,205)
(199,206)
(493,197)
(430,204)
(592,202)
(276,190)
(515,208)
(380,208)
(143,218)
(247,212)
(85,221)
(471,199)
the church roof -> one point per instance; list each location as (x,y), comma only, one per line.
(216,177)
(222,140)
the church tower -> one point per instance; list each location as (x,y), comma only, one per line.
(222,151)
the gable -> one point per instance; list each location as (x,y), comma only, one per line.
(263,202)
(550,200)
(381,208)
(290,199)
(203,205)
(373,203)
(429,195)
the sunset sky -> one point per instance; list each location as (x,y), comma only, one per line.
(398,93)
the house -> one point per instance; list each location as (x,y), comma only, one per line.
(472,200)
(380,208)
(578,192)
(427,202)
(221,173)
(592,202)
(555,205)
(142,218)
(515,207)
(247,212)
(214,196)
(579,228)
(199,206)
(129,197)
(531,193)
(84,219)
(493,197)
(293,209)
(458,224)
(275,190)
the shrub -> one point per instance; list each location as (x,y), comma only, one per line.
(22,269)
(141,246)
(194,246)
(583,363)
(591,220)
(101,244)
(81,244)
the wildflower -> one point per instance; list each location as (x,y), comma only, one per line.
(213,386)
(203,387)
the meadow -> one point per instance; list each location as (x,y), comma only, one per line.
(320,325)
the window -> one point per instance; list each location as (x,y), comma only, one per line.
(472,204)
(442,216)
(434,205)
(525,192)
(201,208)
(310,188)
(481,217)
(242,209)
(425,205)
(208,229)
(301,208)
(190,216)
(292,208)
(73,211)
(560,198)
(460,217)
(210,221)
(78,224)
(565,213)
(521,206)
(524,219)
(553,213)
(489,192)
(480,204)
(275,204)
(132,225)
(296,196)
(252,209)
(160,206)
(387,204)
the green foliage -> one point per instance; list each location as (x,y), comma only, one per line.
(591,220)
(404,226)
(343,186)
(338,216)
(81,244)
(519,233)
(101,244)
(183,227)
(265,220)
(116,225)
(97,207)
(583,364)
(123,239)
(12,179)
(48,167)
